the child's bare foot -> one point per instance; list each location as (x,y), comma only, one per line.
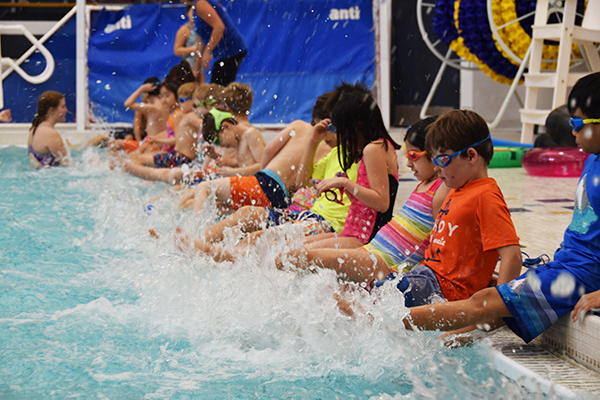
(217,252)
(183,241)
(153,233)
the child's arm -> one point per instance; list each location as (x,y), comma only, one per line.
(163,141)
(130,102)
(139,126)
(378,195)
(438,199)
(585,304)
(275,145)
(510,263)
(305,169)
(256,144)
(239,171)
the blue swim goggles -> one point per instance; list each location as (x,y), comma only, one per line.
(444,159)
(578,123)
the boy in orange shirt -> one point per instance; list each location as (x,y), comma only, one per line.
(473,227)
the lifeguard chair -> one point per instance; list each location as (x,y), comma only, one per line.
(567,33)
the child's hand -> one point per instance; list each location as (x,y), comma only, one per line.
(331,183)
(224,161)
(147,87)
(5,115)
(223,171)
(184,242)
(320,130)
(210,151)
(585,304)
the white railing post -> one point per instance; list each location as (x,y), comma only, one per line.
(81,64)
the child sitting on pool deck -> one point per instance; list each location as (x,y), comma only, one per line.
(204,96)
(184,141)
(153,109)
(473,226)
(537,299)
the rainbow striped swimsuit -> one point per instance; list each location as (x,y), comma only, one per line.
(404,239)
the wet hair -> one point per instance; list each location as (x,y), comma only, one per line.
(180,74)
(207,90)
(186,90)
(358,122)
(47,100)
(170,86)
(156,82)
(558,127)
(318,111)
(459,129)
(239,97)
(585,96)
(416,133)
(209,128)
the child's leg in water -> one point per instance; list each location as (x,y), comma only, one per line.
(187,197)
(186,244)
(146,159)
(167,175)
(332,241)
(221,188)
(485,305)
(248,218)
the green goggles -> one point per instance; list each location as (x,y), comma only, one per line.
(206,103)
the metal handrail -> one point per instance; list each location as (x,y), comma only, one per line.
(37,45)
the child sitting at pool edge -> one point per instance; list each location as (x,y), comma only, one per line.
(536,300)
(473,226)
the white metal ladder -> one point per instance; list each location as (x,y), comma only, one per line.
(566,33)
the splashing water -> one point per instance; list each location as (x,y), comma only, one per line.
(92,306)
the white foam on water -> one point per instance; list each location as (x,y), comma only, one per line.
(189,324)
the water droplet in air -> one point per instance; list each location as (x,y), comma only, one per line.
(563,286)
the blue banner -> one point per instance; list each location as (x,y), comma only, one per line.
(297,50)
(125,48)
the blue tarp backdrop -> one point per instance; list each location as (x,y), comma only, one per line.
(297,50)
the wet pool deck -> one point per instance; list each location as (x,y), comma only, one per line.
(541,210)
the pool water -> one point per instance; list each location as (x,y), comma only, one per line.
(91,306)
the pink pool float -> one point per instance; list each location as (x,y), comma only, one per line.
(554,161)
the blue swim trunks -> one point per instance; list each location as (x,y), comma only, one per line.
(535,304)
(274,188)
(419,285)
(170,160)
(314,223)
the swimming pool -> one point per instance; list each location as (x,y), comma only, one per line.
(92,306)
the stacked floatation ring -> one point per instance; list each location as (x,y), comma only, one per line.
(507,157)
(464,26)
(508,154)
(555,161)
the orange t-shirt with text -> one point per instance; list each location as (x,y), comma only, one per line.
(473,222)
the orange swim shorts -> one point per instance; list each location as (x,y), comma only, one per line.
(246,191)
(130,145)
